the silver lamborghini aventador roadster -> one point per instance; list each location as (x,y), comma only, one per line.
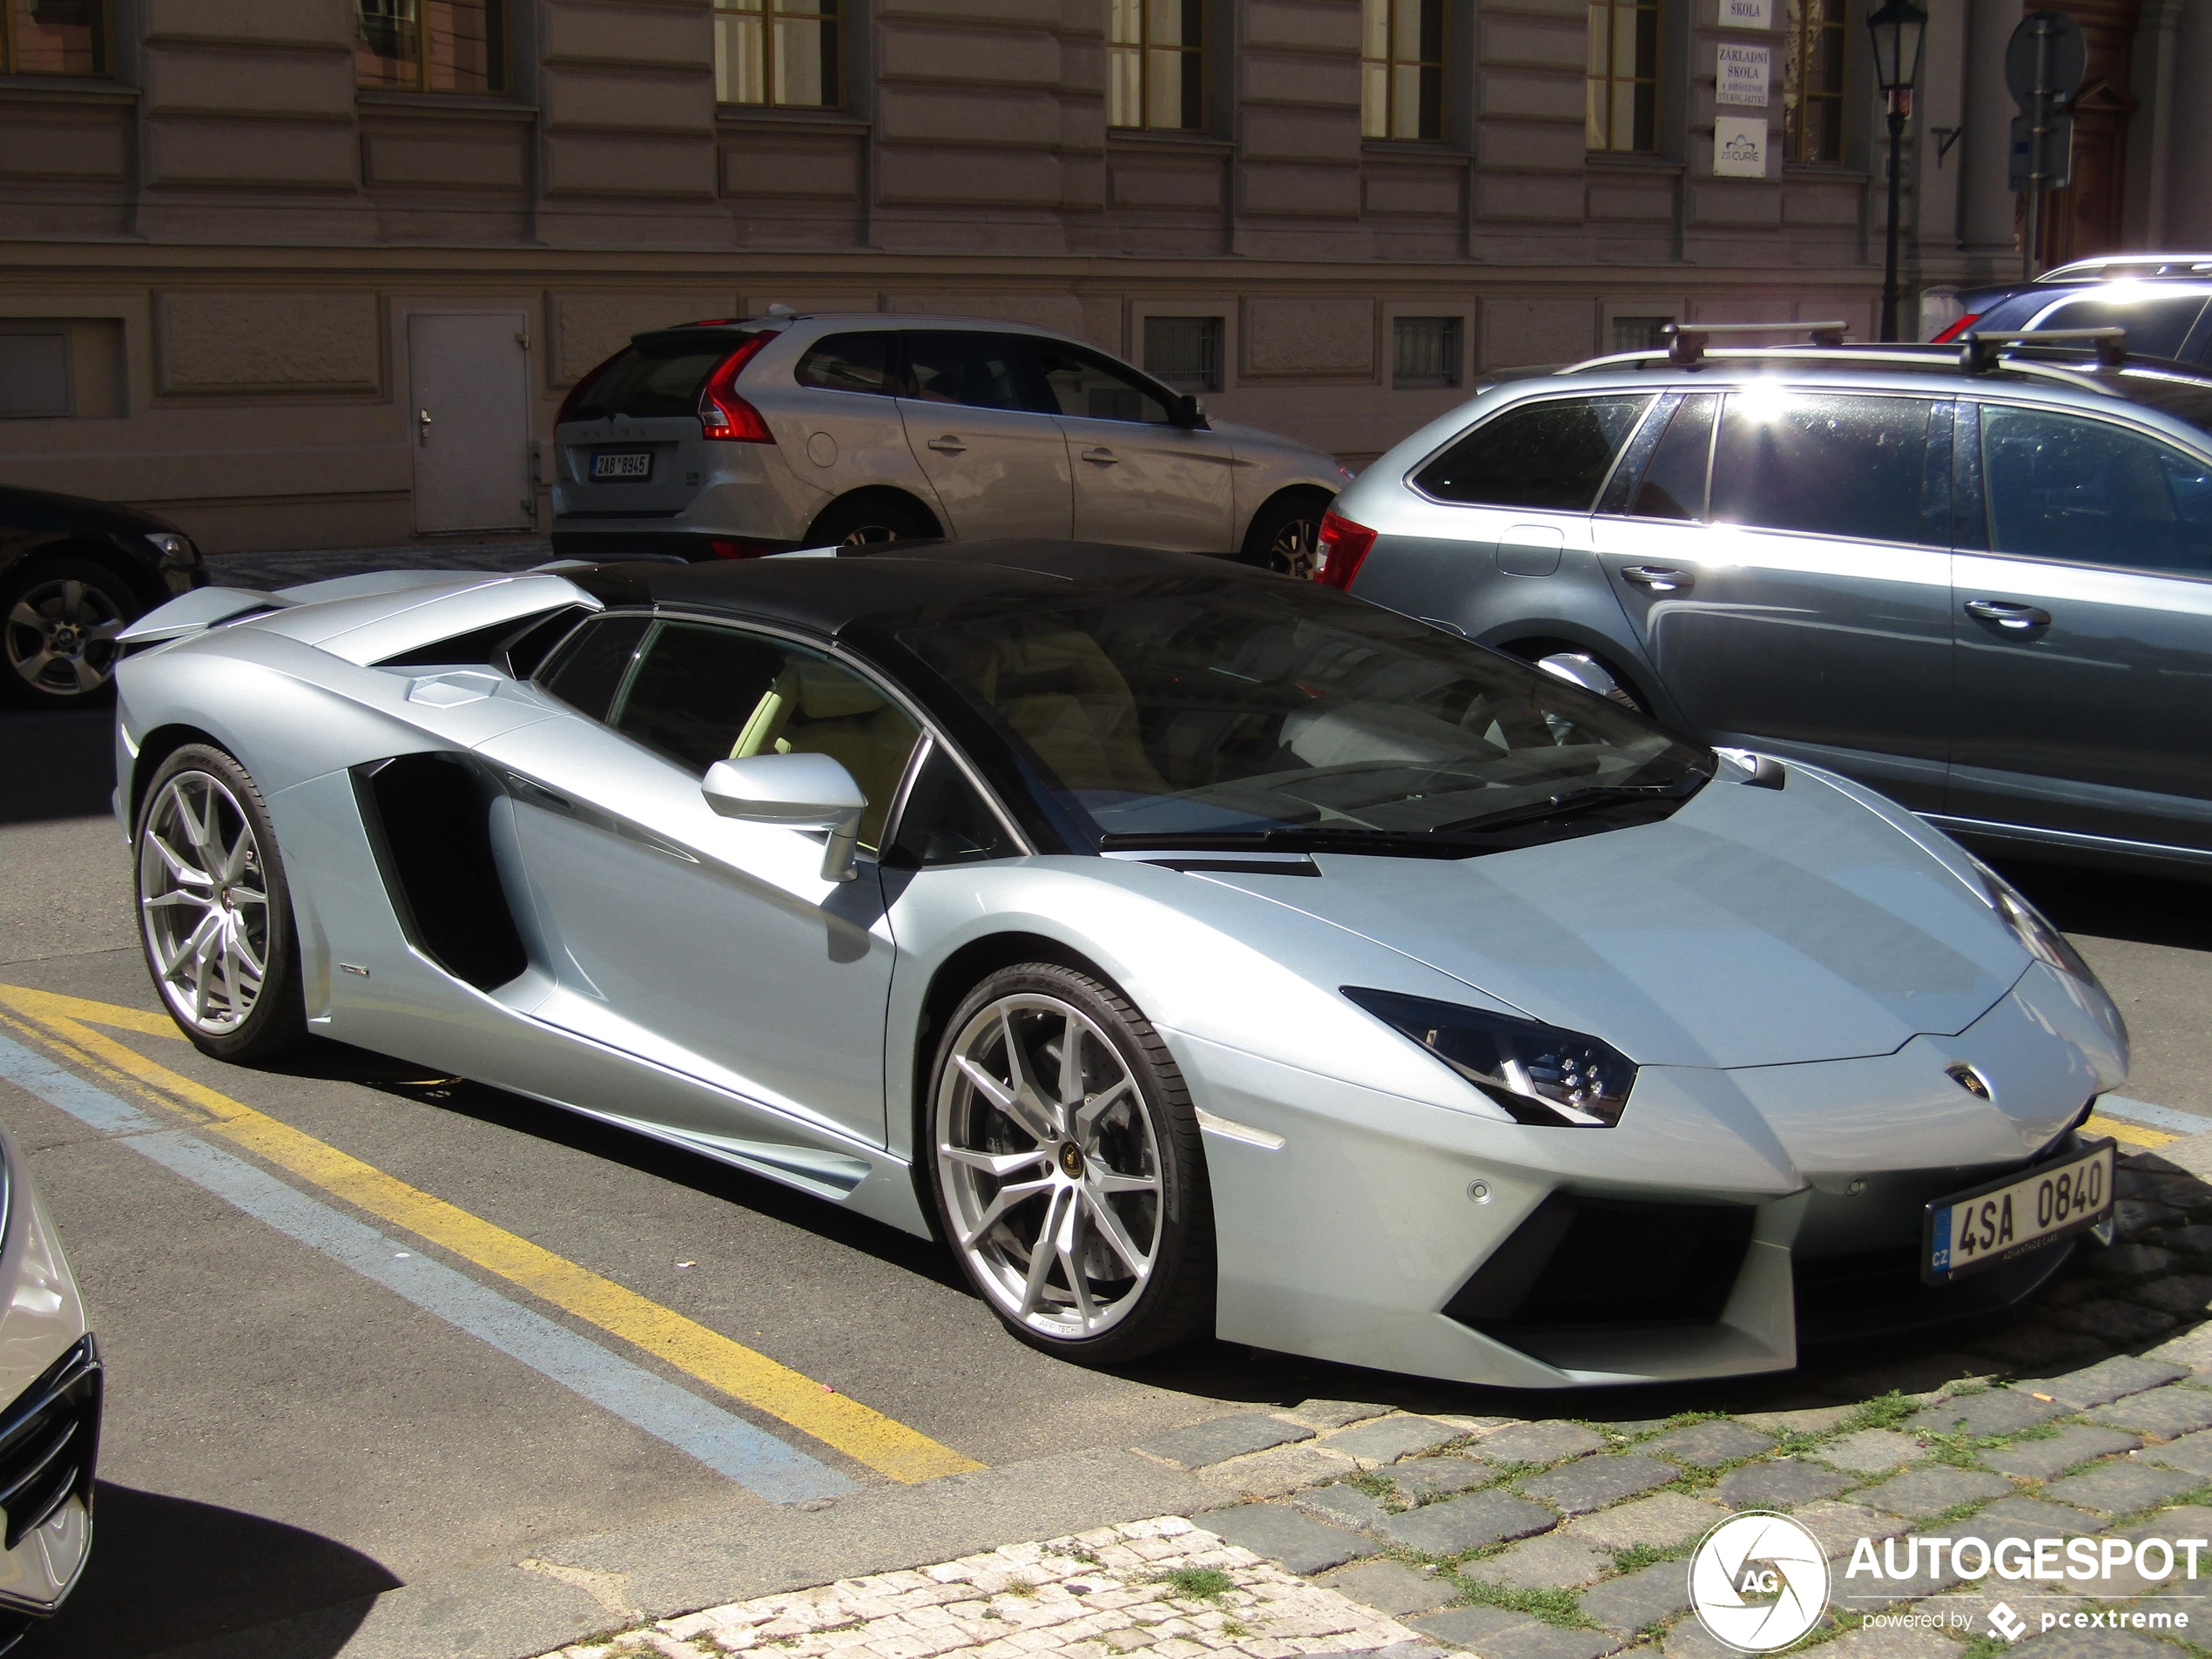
(1190,949)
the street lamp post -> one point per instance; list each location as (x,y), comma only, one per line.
(1899,28)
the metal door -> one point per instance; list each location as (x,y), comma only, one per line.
(2084,624)
(1139,478)
(999,468)
(469,417)
(1806,610)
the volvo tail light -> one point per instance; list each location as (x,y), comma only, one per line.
(1338,549)
(1957,329)
(723,413)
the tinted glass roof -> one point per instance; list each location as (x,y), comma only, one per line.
(892,583)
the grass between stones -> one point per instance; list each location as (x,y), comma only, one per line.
(1198,1583)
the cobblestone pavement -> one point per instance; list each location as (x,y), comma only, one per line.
(2088,1413)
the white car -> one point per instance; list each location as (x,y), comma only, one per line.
(49,1428)
(732,439)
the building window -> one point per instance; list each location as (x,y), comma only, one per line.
(1155,65)
(34,375)
(1401,70)
(1640,334)
(53,36)
(430,45)
(1812,80)
(1186,352)
(784,53)
(1426,353)
(1624,76)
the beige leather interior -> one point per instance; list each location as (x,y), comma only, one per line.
(1070,705)
(816,707)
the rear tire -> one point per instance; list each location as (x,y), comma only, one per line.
(1586,668)
(1055,1114)
(214,909)
(1285,532)
(867,519)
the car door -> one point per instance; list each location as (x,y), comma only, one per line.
(2084,624)
(999,466)
(1140,478)
(1800,602)
(708,946)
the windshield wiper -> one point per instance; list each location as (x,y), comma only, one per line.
(1587,799)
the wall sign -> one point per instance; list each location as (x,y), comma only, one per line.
(1739,146)
(1746,14)
(1742,76)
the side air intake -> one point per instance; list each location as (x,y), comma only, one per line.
(429,819)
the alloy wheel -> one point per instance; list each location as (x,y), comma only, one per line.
(1050,1165)
(203,898)
(869,534)
(61,637)
(1291,551)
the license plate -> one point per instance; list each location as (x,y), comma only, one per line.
(1968,1231)
(624,463)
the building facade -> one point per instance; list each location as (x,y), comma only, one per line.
(245,245)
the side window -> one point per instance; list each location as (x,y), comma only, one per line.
(945,821)
(866,362)
(1846,466)
(587,670)
(2157,328)
(1084,384)
(1673,486)
(1551,455)
(2074,488)
(703,693)
(951,365)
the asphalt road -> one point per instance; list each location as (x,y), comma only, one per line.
(285,1434)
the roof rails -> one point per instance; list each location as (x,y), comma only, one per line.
(1686,341)
(2139,264)
(1984,346)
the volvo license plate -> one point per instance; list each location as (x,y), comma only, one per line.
(2007,1219)
(623,464)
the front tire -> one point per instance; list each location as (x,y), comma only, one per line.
(59,619)
(1063,1156)
(215,911)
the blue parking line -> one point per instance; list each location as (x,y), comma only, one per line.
(2142,1111)
(726,1443)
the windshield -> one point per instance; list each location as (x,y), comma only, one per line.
(1204,711)
(645,382)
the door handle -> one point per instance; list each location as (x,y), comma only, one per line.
(1660,578)
(1099,457)
(2014,618)
(425,418)
(948,445)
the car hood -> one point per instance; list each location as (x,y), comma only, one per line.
(1753,927)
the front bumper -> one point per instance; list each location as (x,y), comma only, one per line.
(1732,1216)
(50,1442)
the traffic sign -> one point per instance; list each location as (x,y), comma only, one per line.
(2062,69)
(2056,162)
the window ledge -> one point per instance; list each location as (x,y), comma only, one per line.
(479,104)
(80,88)
(1632,161)
(1827,173)
(1170,139)
(1415,150)
(765,115)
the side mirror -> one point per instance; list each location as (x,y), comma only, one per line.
(1189,412)
(795,791)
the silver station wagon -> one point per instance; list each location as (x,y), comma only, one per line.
(1977,576)
(737,438)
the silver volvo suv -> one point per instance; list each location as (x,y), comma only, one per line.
(740,437)
(1977,576)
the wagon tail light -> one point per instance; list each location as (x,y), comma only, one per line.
(1957,329)
(1338,549)
(1539,1074)
(723,413)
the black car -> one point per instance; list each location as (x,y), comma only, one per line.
(2163,300)
(73,573)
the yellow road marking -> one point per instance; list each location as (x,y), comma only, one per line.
(2126,1134)
(861,1433)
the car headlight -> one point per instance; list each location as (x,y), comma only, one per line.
(2048,946)
(1538,1073)
(173,548)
